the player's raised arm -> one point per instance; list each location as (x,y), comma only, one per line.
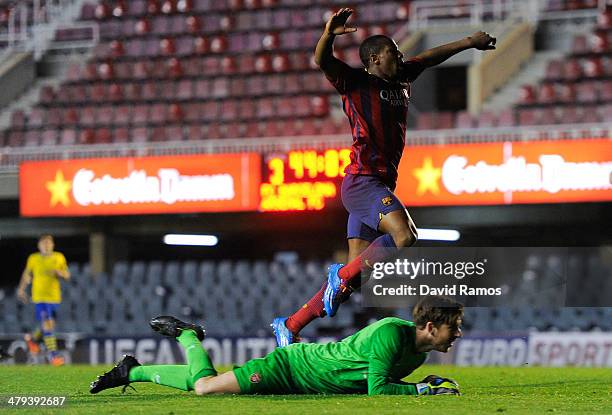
(324,52)
(479,40)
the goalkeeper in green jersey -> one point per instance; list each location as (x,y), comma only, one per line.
(372,361)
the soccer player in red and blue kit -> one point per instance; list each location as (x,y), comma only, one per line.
(375,100)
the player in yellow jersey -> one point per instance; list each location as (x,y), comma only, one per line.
(43,270)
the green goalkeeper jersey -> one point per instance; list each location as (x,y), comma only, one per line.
(372,361)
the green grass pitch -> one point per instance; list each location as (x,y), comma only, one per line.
(485,390)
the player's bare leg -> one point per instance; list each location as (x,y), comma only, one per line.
(223,383)
(400,226)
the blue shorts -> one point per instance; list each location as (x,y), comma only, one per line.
(45,311)
(367,199)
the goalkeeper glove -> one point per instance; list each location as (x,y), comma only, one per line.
(436,385)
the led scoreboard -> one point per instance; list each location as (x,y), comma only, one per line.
(302,179)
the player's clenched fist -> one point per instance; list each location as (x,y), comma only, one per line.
(336,23)
(436,385)
(482,41)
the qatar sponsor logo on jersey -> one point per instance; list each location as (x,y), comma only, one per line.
(395,97)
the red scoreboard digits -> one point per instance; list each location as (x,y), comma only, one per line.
(302,179)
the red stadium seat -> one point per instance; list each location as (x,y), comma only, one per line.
(115,92)
(569,115)
(184,90)
(572,69)
(234,130)
(175,113)
(49,137)
(105,115)
(201,45)
(103,136)
(567,92)
(139,135)
(593,67)
(606,113)
(209,111)
(140,114)
(88,116)
(86,136)
(54,117)
(303,105)
(486,119)
(166,90)
(158,134)
(213,130)
(425,121)
(143,26)
(548,116)
(228,65)
(15,139)
(195,133)
(265,108)
(174,68)
(586,92)
(246,109)
(201,89)
(71,116)
(191,67)
(554,70)
(527,95)
(604,19)
(320,106)
(606,92)
(591,115)
(229,110)
(158,114)
(529,116)
(47,94)
(153,7)
(252,130)
(600,42)
(220,88)
(173,133)
(122,115)
(78,93)
(149,90)
(464,120)
(18,119)
(191,112)
(444,120)
(99,92)
(255,85)
(237,87)
(580,45)
(36,118)
(121,135)
(68,137)
(547,93)
(142,70)
(31,138)
(506,118)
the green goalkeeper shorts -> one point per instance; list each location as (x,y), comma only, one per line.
(267,375)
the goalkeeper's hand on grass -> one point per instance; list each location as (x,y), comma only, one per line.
(436,385)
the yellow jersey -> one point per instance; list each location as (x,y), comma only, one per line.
(45,282)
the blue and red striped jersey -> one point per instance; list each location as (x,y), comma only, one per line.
(377,111)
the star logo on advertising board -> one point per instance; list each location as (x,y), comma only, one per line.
(428,177)
(59,189)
